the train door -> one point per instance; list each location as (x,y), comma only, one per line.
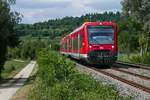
(78,45)
(72,44)
(68,46)
(80,42)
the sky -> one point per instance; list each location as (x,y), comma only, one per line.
(42,10)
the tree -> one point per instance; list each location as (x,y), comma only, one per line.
(139,12)
(8,37)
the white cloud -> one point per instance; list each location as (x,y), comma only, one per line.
(42,10)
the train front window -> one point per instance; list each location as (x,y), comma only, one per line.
(101,34)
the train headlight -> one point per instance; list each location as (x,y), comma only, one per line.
(90,46)
(113,46)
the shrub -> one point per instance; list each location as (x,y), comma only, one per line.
(10,69)
(145,59)
(59,80)
(135,58)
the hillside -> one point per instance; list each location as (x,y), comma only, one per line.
(61,27)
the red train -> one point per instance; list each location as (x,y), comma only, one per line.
(93,42)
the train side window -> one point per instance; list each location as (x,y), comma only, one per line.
(75,43)
(65,46)
(81,40)
(70,44)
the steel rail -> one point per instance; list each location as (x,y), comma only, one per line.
(133,65)
(134,84)
(134,74)
(131,83)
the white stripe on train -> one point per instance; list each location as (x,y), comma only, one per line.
(75,55)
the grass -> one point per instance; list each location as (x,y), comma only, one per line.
(12,67)
(57,79)
(123,57)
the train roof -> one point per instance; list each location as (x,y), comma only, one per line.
(91,23)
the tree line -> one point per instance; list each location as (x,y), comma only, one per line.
(61,27)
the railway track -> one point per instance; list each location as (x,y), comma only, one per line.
(142,66)
(131,73)
(124,80)
(134,84)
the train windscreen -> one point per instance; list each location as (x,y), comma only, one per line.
(101,34)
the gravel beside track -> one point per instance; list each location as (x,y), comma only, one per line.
(140,75)
(123,88)
(140,71)
(130,77)
(142,66)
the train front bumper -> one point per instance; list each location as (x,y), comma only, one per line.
(101,57)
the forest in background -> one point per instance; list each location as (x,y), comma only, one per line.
(62,27)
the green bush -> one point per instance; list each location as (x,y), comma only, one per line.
(28,48)
(59,80)
(145,59)
(10,69)
(135,59)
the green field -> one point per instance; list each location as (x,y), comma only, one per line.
(12,67)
